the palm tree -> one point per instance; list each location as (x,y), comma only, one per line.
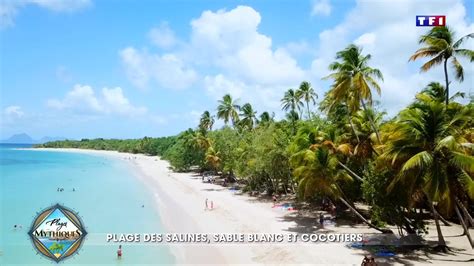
(306,92)
(338,112)
(207,121)
(437,91)
(441,47)
(313,138)
(213,158)
(265,118)
(195,139)
(354,80)
(425,145)
(228,110)
(291,101)
(293,117)
(317,171)
(56,248)
(200,141)
(249,116)
(364,149)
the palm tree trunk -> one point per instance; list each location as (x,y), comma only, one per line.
(353,128)
(293,131)
(274,186)
(445,222)
(307,107)
(441,241)
(358,214)
(465,211)
(466,231)
(350,171)
(447,80)
(293,127)
(371,122)
(374,151)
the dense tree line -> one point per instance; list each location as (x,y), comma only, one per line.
(345,149)
(147,145)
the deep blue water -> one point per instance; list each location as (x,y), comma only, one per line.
(107,196)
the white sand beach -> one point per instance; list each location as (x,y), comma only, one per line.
(180,198)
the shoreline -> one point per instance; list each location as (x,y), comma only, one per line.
(179,198)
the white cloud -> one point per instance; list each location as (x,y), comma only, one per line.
(230,41)
(14,111)
(162,36)
(229,52)
(217,86)
(9,9)
(366,39)
(321,7)
(11,115)
(116,102)
(261,96)
(82,100)
(7,14)
(167,70)
(61,5)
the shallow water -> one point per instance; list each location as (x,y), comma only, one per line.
(107,196)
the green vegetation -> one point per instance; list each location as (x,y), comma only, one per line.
(421,159)
(150,146)
(56,248)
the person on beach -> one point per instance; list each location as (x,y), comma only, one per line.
(274,200)
(119,252)
(206,207)
(365,261)
(212,204)
(321,219)
(333,211)
(372,262)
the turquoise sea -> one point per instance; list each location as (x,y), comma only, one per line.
(107,196)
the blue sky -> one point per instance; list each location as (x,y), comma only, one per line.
(127,69)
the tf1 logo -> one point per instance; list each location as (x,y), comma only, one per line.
(430,21)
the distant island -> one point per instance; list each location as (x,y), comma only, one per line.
(24,138)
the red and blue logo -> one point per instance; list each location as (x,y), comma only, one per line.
(430,21)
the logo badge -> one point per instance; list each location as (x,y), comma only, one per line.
(57,232)
(430,21)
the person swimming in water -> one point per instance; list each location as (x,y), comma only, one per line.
(119,252)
